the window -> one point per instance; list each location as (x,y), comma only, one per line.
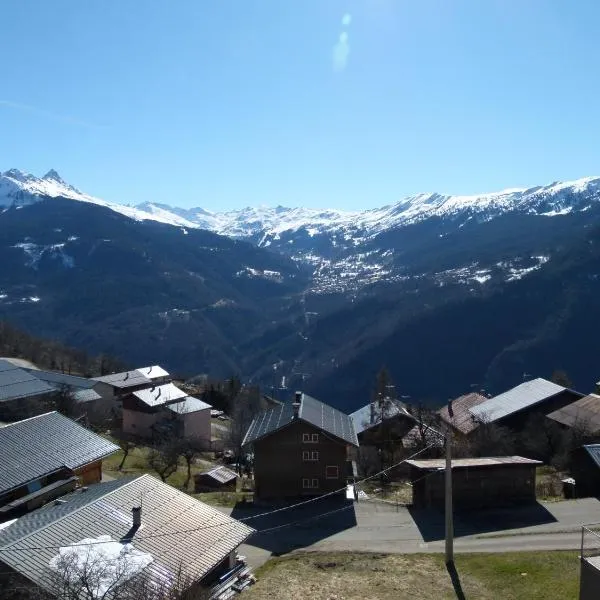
(315,438)
(332,472)
(305,455)
(314,455)
(306,437)
(308,455)
(308,484)
(310,438)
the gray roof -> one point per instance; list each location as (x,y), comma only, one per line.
(221,474)
(43,444)
(18,383)
(464,463)
(178,531)
(81,387)
(522,396)
(64,379)
(188,405)
(362,417)
(83,395)
(160,394)
(319,414)
(125,380)
(594,451)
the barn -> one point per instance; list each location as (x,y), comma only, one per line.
(476,482)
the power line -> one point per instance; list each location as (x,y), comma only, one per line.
(242,520)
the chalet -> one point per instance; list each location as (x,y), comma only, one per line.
(166,409)
(381,421)
(137,531)
(126,382)
(457,414)
(585,469)
(300,449)
(583,413)
(219,479)
(20,390)
(516,406)
(44,456)
(476,482)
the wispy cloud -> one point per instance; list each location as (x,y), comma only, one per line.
(40,112)
(341,50)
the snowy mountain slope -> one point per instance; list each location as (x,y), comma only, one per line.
(20,189)
(269,224)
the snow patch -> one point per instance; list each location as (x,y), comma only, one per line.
(111,563)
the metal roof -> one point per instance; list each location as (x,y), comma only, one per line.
(178,531)
(463,420)
(362,417)
(64,379)
(160,394)
(188,405)
(319,414)
(463,463)
(43,444)
(153,372)
(522,396)
(16,382)
(83,395)
(594,451)
(125,380)
(584,412)
(220,474)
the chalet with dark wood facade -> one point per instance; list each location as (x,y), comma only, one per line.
(300,449)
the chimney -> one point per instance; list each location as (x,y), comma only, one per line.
(136,512)
(450,411)
(297,404)
(372,413)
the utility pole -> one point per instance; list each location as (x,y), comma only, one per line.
(448,495)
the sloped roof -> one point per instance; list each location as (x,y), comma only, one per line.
(594,451)
(188,405)
(153,372)
(585,412)
(125,380)
(72,381)
(16,382)
(362,417)
(40,445)
(221,474)
(463,463)
(463,420)
(319,414)
(160,394)
(178,531)
(522,396)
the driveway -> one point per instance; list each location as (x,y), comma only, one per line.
(373,526)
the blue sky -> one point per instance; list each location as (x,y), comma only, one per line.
(326,103)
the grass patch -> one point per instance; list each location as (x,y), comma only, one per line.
(362,576)
(224,498)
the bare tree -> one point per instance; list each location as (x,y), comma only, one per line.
(189,450)
(126,442)
(164,458)
(246,406)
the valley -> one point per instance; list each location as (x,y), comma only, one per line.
(450,293)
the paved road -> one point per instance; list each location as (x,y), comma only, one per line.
(378,527)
